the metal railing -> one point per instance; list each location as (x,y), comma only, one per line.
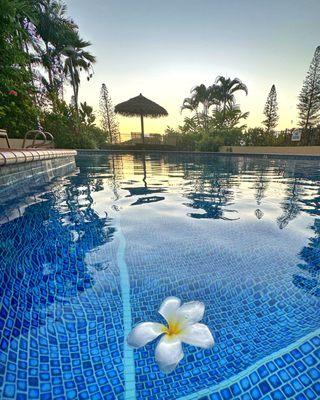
(47,139)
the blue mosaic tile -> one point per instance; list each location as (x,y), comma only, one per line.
(125,231)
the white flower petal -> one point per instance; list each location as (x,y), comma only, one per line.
(197,335)
(169,308)
(190,313)
(168,353)
(144,333)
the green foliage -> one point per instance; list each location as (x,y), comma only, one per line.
(77,59)
(194,136)
(109,120)
(205,132)
(70,131)
(38,40)
(225,89)
(17,109)
(271,110)
(60,51)
(86,114)
(258,137)
(231,136)
(184,140)
(220,97)
(228,119)
(309,98)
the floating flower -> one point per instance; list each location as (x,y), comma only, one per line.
(183,326)
(13,93)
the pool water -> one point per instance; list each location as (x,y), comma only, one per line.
(86,257)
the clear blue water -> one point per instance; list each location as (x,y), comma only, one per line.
(86,257)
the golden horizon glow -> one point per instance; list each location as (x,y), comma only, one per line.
(149,48)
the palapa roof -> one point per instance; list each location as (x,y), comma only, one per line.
(140,105)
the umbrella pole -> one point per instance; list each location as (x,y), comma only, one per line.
(142,129)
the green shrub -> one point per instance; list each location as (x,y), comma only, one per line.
(71,132)
(258,137)
(18,112)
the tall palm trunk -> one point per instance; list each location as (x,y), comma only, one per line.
(75,88)
(224,109)
(50,74)
(35,96)
(205,113)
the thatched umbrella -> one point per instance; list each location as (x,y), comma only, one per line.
(140,106)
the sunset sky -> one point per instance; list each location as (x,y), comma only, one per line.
(164,48)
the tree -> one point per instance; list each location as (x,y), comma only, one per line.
(190,103)
(257,137)
(224,90)
(17,106)
(109,120)
(77,59)
(201,94)
(54,32)
(86,114)
(204,95)
(271,110)
(229,119)
(309,98)
(55,49)
(208,131)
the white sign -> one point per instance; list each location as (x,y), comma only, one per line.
(296,135)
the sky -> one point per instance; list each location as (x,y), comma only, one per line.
(164,48)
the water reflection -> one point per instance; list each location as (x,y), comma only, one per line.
(211,189)
(260,188)
(209,185)
(143,190)
(309,278)
(43,252)
(291,204)
(211,205)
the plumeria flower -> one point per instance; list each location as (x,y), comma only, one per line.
(183,326)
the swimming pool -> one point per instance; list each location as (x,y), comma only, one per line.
(90,255)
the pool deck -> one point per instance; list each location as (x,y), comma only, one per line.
(19,156)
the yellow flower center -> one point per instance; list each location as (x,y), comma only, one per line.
(174,328)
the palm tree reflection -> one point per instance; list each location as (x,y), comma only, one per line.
(212,189)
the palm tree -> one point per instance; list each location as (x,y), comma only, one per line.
(230,118)
(225,89)
(77,60)
(204,95)
(200,94)
(190,103)
(52,27)
(50,33)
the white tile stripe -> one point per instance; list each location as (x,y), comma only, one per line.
(246,372)
(128,360)
(9,157)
